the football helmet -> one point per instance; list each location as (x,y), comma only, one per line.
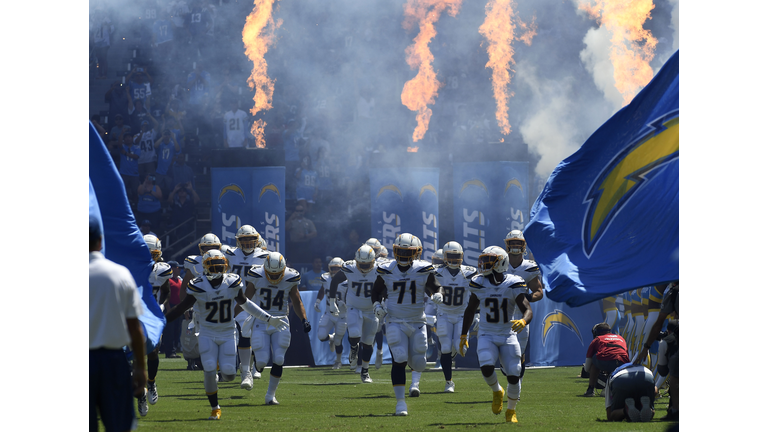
(365,257)
(274,267)
(492,259)
(453,254)
(335,265)
(262,243)
(374,244)
(209,242)
(515,242)
(247,238)
(418,242)
(437,257)
(154,247)
(215,264)
(406,248)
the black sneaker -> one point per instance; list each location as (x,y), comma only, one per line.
(589,393)
(671,416)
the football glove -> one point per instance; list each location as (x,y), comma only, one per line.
(518,325)
(463,345)
(379,310)
(332,308)
(475,323)
(307,326)
(317,305)
(280,323)
(437,298)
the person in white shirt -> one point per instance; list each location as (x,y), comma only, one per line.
(235,126)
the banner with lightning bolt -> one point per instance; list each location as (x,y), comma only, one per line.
(607,220)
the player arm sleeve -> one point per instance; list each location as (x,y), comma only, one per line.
(338,278)
(432,285)
(469,313)
(378,289)
(321,293)
(179,309)
(298,306)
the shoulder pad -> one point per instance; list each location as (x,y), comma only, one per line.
(229,252)
(192,259)
(164,270)
(438,273)
(191,286)
(263,254)
(473,284)
(469,271)
(533,268)
(237,281)
(519,285)
(252,272)
(325,276)
(291,275)
(427,269)
(347,266)
(382,270)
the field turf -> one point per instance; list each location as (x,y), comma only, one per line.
(319,398)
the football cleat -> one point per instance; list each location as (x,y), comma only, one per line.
(272,401)
(152,392)
(353,356)
(215,414)
(359,369)
(364,377)
(646,412)
(498,400)
(401,409)
(255,374)
(511,416)
(379,356)
(589,393)
(247,381)
(414,392)
(143,407)
(632,413)
(450,386)
(337,365)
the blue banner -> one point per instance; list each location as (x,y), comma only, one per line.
(249,196)
(405,200)
(489,200)
(123,242)
(607,220)
(560,334)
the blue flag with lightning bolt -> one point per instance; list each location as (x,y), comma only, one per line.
(607,220)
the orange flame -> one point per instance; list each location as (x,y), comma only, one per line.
(632,47)
(413,149)
(258,35)
(499,28)
(421,90)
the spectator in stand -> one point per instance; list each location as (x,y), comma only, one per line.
(167,149)
(119,129)
(102,29)
(146,138)
(180,16)
(606,352)
(200,21)
(172,332)
(150,195)
(181,172)
(228,89)
(146,228)
(325,176)
(119,100)
(317,142)
(306,178)
(171,123)
(162,37)
(235,126)
(183,199)
(199,86)
(301,231)
(293,144)
(140,86)
(311,280)
(129,167)
(138,114)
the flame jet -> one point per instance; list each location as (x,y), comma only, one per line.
(499,29)
(632,46)
(421,90)
(258,36)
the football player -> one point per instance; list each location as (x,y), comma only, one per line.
(330,322)
(361,319)
(528,270)
(403,282)
(655,295)
(241,259)
(381,257)
(454,278)
(268,285)
(193,264)
(498,294)
(211,295)
(438,258)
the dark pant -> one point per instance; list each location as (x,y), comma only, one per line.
(171,336)
(110,390)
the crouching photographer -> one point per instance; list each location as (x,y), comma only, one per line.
(606,352)
(629,394)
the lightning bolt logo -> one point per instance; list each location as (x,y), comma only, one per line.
(390,187)
(513,182)
(558,317)
(270,187)
(231,188)
(474,182)
(426,188)
(657,145)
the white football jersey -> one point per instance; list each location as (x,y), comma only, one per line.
(528,270)
(194,264)
(360,285)
(240,263)
(455,289)
(405,290)
(341,292)
(272,298)
(497,302)
(215,306)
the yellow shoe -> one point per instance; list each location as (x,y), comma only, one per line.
(215,414)
(498,400)
(511,416)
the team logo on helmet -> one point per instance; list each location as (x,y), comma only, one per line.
(558,318)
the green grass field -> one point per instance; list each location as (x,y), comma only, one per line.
(314,399)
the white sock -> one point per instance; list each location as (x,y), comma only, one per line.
(415,378)
(399,392)
(245,359)
(338,357)
(272,388)
(513,395)
(492,381)
(366,364)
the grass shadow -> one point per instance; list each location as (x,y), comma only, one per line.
(461,424)
(468,403)
(363,416)
(328,384)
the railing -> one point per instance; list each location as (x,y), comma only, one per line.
(184,239)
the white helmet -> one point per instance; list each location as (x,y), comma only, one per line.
(154,246)
(365,257)
(274,267)
(208,242)
(215,264)
(262,243)
(437,257)
(515,242)
(453,254)
(374,244)
(418,242)
(406,248)
(247,238)
(493,258)
(335,265)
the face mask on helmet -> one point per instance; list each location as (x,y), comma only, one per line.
(453,259)
(485,264)
(365,257)
(262,243)
(274,268)
(209,242)
(335,265)
(215,264)
(515,246)
(248,243)
(437,257)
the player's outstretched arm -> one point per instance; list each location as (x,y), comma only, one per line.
(184,284)
(338,278)
(179,309)
(379,289)
(298,307)
(536,292)
(432,286)
(469,313)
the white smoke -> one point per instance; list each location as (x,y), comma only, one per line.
(596,59)
(675,25)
